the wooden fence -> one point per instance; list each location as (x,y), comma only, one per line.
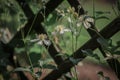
(65,65)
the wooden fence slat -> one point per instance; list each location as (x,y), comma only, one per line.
(26,9)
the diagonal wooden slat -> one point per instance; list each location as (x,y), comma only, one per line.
(114,64)
(77,6)
(91,44)
(26,9)
(17,39)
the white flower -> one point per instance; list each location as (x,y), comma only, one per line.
(79,24)
(60,30)
(86,20)
(60,12)
(69,20)
(42,39)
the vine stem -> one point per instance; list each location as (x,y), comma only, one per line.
(115,10)
(32,24)
(25,43)
(29,57)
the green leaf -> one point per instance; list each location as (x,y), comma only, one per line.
(100,73)
(38,74)
(49,66)
(118,4)
(103,42)
(110,42)
(74,61)
(101,12)
(118,43)
(96,56)
(88,52)
(106,78)
(35,49)
(101,17)
(49,17)
(23,69)
(117,52)
(73,78)
(65,55)
(19,50)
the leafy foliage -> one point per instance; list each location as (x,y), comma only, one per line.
(101,75)
(66,35)
(90,53)
(111,50)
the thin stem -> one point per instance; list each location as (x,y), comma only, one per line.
(32,24)
(76,38)
(23,36)
(72,42)
(114,10)
(26,48)
(63,41)
(78,35)
(76,72)
(72,34)
(94,15)
(116,66)
(94,9)
(97,32)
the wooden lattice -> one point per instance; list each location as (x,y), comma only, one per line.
(65,65)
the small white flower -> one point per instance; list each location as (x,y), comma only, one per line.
(34,40)
(60,12)
(86,20)
(40,62)
(60,30)
(79,24)
(69,20)
(42,39)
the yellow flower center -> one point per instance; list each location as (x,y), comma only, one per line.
(59,28)
(42,36)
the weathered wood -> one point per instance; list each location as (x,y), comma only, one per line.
(107,32)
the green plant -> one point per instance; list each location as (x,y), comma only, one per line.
(65,36)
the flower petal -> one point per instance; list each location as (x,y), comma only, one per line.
(86,25)
(40,42)
(47,42)
(62,32)
(34,40)
(89,19)
(54,33)
(66,30)
(79,24)
(69,20)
